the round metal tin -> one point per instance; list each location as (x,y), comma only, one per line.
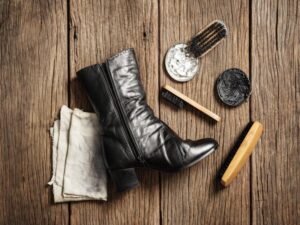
(179,64)
(233,87)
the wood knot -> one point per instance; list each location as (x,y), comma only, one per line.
(146,35)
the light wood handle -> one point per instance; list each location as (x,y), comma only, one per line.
(193,103)
(243,153)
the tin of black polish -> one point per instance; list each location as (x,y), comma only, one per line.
(233,87)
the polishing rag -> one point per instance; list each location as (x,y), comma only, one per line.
(78,169)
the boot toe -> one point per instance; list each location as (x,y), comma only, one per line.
(199,149)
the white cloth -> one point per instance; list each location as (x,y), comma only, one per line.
(78,169)
(54,142)
(85,173)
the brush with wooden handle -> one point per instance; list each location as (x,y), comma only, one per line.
(240,154)
(180,100)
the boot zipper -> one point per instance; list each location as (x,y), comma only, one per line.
(117,101)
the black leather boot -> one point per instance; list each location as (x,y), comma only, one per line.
(132,135)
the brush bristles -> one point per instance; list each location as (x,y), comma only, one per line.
(170,97)
(235,148)
(207,39)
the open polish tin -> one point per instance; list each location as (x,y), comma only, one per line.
(182,60)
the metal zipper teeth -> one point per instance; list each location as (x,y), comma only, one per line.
(116,99)
(107,87)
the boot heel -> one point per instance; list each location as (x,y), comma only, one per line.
(124,179)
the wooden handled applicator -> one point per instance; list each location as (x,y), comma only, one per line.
(239,156)
(180,100)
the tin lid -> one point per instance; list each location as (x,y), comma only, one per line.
(233,87)
(182,60)
(179,64)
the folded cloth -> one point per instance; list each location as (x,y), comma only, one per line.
(85,135)
(54,136)
(85,173)
(60,132)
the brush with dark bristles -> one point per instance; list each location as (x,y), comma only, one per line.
(207,39)
(180,100)
(240,153)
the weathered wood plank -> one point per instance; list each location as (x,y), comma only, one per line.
(34,76)
(275,102)
(191,197)
(100,29)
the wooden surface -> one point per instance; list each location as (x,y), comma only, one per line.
(34,84)
(275,101)
(44,43)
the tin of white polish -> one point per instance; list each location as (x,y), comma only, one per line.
(182,60)
(181,65)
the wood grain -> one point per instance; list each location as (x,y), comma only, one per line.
(192,196)
(44,43)
(99,30)
(33,74)
(275,102)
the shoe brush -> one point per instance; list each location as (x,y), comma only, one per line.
(180,100)
(182,60)
(240,153)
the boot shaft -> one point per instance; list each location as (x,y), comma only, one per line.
(115,139)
